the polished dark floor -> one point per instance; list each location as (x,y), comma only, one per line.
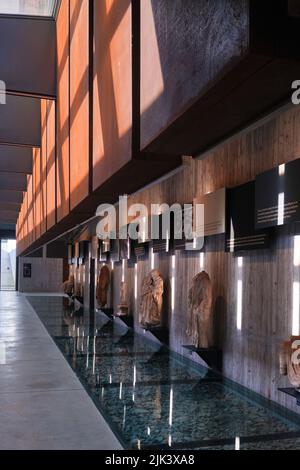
(154,399)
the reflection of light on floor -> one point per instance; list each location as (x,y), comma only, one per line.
(173,273)
(239,306)
(237,443)
(296,299)
(171,408)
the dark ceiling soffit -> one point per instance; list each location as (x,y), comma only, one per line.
(28,66)
(15,159)
(20,121)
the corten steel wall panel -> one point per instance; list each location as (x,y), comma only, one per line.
(37,191)
(44,166)
(63,104)
(183,53)
(27,55)
(112,100)
(79,101)
(30,212)
(51,165)
(15,159)
(20,121)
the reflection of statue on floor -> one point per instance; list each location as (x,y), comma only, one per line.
(151,299)
(102,286)
(289,359)
(200,325)
(68,285)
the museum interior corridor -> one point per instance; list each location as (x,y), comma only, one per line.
(149,225)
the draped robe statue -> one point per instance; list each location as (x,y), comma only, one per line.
(151,299)
(123,307)
(200,325)
(289,360)
(68,285)
(102,286)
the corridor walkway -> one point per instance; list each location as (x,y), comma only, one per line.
(42,405)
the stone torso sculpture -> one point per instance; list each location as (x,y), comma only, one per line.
(289,359)
(151,299)
(102,286)
(200,326)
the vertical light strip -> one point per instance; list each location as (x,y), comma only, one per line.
(123,270)
(202,261)
(296,311)
(280,218)
(173,273)
(152,258)
(239,305)
(135,281)
(237,443)
(112,265)
(121,388)
(297,250)
(239,294)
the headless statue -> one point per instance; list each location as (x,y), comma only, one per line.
(151,299)
(200,326)
(102,286)
(123,307)
(68,285)
(289,360)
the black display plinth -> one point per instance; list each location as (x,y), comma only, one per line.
(126,319)
(159,332)
(79,299)
(211,356)
(292,392)
(109,312)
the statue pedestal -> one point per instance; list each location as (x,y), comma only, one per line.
(125,318)
(109,312)
(211,356)
(292,392)
(159,332)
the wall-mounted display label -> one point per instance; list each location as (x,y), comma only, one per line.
(240,227)
(277,196)
(141,250)
(27,270)
(114,253)
(214,212)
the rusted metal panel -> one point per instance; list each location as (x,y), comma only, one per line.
(112,126)
(63,108)
(79,101)
(51,169)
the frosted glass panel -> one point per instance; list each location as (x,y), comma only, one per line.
(27,7)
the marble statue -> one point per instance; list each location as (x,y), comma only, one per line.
(123,307)
(68,285)
(102,286)
(200,325)
(151,299)
(289,360)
